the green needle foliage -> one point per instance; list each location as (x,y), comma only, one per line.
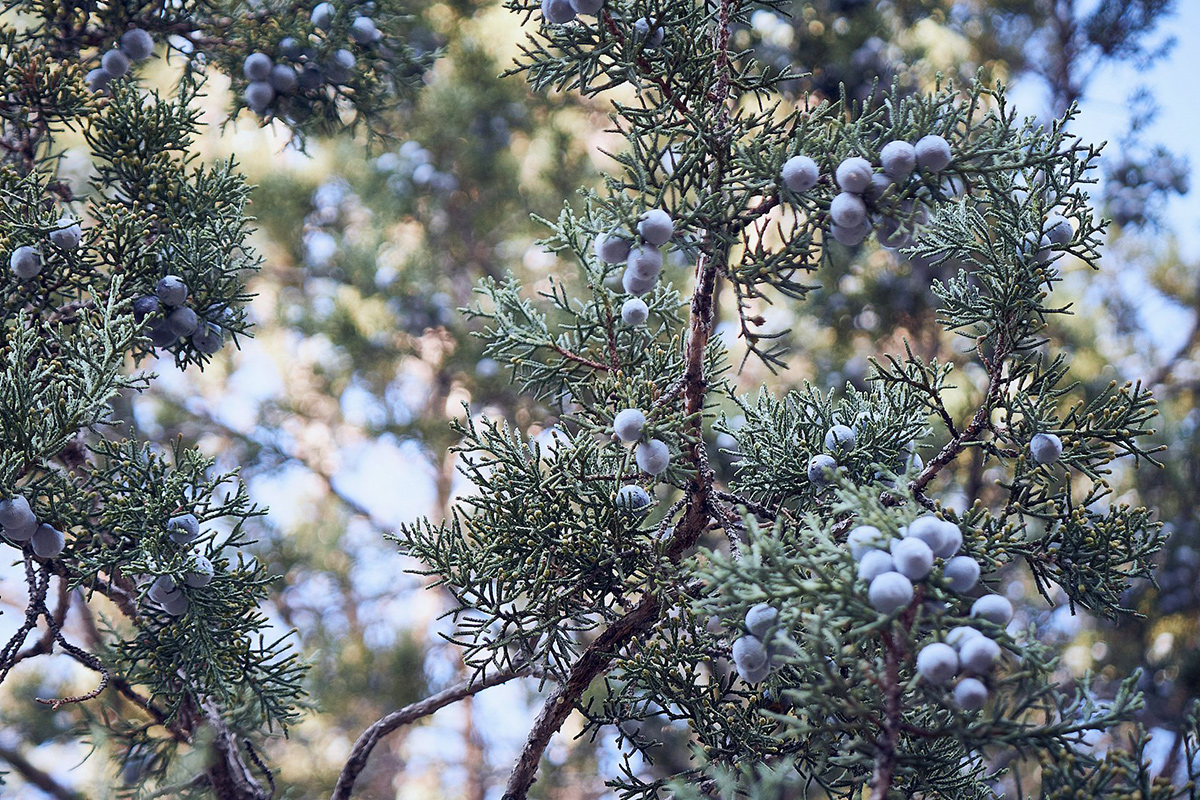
(631,617)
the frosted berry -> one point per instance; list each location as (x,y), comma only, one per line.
(933,153)
(209,339)
(848,210)
(183,321)
(22,532)
(930,530)
(1036,247)
(960,635)
(656,227)
(961,573)
(610,249)
(183,528)
(993,608)
(898,159)
(978,654)
(201,574)
(646,260)
(171,290)
(283,78)
(821,469)
(652,456)
(67,235)
(16,513)
(649,30)
(878,186)
(587,6)
(635,283)
(137,44)
(632,497)
(854,175)
(913,558)
(629,424)
(840,439)
(25,262)
(163,589)
(952,540)
(749,652)
(851,236)
(97,79)
(800,173)
(363,30)
(258,96)
(1059,231)
(115,63)
(177,606)
(890,592)
(1045,448)
(48,541)
(865,538)
(970,694)
(937,663)
(760,618)
(873,564)
(322,16)
(634,311)
(557,12)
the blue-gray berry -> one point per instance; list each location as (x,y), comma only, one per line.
(161,335)
(898,159)
(937,663)
(970,694)
(978,654)
(993,608)
(632,497)
(821,469)
(851,236)
(749,652)
(590,7)
(171,290)
(656,227)
(840,439)
(864,538)
(557,12)
(800,173)
(291,48)
(68,235)
(611,249)
(961,573)
(848,210)
(16,513)
(183,321)
(652,456)
(322,16)
(634,311)
(209,339)
(97,79)
(646,260)
(25,262)
(873,564)
(115,63)
(890,592)
(913,558)
(1045,448)
(636,283)
(137,44)
(933,153)
(258,96)
(760,619)
(183,528)
(629,424)
(854,175)
(201,573)
(363,30)
(283,78)
(650,31)
(47,541)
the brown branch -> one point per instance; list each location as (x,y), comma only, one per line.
(885,757)
(571,356)
(598,656)
(406,716)
(36,777)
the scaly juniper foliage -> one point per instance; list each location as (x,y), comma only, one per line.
(630,618)
(135,544)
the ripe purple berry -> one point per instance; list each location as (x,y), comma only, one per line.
(67,235)
(25,262)
(610,249)
(848,210)
(840,439)
(645,260)
(209,339)
(634,311)
(322,16)
(115,63)
(557,12)
(171,290)
(183,321)
(749,652)
(978,654)
(821,469)
(201,574)
(590,7)
(47,541)
(632,497)
(363,30)
(650,30)
(258,96)
(183,528)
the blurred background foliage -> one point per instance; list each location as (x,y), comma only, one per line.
(337,410)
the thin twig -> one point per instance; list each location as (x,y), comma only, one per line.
(406,716)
